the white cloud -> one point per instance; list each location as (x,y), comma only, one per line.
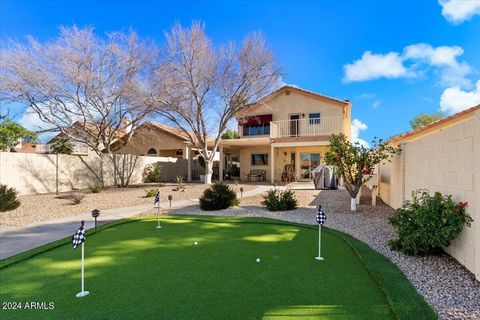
(444,59)
(358,126)
(376,104)
(415,61)
(373,66)
(454,99)
(32,122)
(457,11)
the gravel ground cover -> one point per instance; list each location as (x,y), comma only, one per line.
(36,208)
(448,286)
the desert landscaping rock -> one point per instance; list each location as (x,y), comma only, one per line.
(448,286)
(36,208)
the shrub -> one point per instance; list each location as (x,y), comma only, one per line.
(427,223)
(76,198)
(150,192)
(276,200)
(8,198)
(152,172)
(219,196)
(95,187)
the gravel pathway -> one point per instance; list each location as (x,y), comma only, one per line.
(37,208)
(448,286)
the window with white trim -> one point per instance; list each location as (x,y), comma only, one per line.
(314,118)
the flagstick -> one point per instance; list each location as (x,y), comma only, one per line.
(158,216)
(83,293)
(319,243)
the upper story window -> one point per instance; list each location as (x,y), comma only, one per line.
(256,130)
(256,125)
(314,118)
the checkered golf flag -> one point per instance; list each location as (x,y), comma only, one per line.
(157,198)
(79,236)
(321,216)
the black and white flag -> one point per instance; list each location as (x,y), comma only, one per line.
(157,198)
(79,237)
(321,216)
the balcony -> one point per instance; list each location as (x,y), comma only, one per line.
(306,127)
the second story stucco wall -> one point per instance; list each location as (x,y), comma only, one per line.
(295,102)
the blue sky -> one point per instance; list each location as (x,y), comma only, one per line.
(392,59)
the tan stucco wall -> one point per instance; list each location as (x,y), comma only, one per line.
(31,173)
(245,161)
(447,161)
(283,105)
(146,138)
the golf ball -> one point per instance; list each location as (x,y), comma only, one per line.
(258,260)
(195,243)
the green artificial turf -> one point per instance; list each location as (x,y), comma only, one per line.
(135,271)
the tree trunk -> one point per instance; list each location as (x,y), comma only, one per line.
(56,175)
(353,204)
(208,171)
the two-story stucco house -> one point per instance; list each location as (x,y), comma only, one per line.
(284,135)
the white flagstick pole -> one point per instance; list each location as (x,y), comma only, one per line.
(83,266)
(83,293)
(319,242)
(158,213)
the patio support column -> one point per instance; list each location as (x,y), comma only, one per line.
(297,164)
(272,163)
(187,154)
(221,163)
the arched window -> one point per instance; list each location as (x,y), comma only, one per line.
(152,152)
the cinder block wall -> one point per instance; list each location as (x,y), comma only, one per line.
(31,173)
(447,161)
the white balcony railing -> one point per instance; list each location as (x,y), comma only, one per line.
(306,127)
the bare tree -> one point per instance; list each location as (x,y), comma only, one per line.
(91,89)
(201,87)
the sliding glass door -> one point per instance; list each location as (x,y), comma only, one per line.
(308,162)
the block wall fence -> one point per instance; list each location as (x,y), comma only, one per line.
(447,161)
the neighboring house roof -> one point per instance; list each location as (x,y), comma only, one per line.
(173,131)
(434,125)
(177,133)
(312,94)
(92,128)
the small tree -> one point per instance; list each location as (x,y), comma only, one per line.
(60,145)
(424,119)
(229,134)
(11,133)
(353,161)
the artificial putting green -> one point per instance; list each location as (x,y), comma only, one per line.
(135,271)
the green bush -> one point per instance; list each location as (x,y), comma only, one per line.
(219,196)
(427,223)
(150,193)
(8,198)
(152,172)
(276,200)
(95,187)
